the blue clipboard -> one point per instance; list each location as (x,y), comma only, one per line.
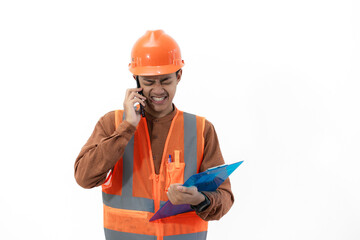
(209,181)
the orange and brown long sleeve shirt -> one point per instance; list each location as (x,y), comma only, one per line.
(106,146)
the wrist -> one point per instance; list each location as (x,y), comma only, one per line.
(202,205)
(126,129)
(199,199)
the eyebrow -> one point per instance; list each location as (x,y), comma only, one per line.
(152,80)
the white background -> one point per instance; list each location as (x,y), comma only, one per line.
(278,79)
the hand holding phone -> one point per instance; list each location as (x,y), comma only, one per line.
(132,112)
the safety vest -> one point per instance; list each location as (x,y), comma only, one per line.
(132,192)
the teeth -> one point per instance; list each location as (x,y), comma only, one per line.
(158,99)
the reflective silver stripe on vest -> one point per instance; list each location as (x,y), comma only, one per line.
(128,166)
(126,200)
(115,235)
(129,203)
(190,236)
(190,145)
(162,203)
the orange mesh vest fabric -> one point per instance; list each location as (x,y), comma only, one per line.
(133,192)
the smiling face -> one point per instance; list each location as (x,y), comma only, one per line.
(159,91)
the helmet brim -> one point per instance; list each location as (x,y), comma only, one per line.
(155,70)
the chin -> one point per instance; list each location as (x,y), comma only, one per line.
(159,109)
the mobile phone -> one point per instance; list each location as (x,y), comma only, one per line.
(142,111)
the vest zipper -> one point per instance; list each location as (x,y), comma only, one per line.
(157,192)
(156,185)
(156,177)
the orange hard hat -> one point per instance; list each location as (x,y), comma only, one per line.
(155,53)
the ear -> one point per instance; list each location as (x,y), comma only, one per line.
(179,75)
(134,76)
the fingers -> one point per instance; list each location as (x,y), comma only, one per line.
(189,190)
(178,194)
(132,96)
(131,90)
(138,99)
(177,187)
(134,92)
(135,100)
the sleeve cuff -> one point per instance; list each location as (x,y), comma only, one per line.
(203,205)
(206,211)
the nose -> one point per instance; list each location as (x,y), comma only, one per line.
(158,88)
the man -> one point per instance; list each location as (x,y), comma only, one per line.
(142,161)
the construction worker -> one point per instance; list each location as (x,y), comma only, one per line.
(140,156)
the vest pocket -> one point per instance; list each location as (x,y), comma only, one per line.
(174,173)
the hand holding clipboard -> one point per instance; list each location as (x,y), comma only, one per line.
(209,180)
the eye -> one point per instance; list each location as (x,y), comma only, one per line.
(148,83)
(166,82)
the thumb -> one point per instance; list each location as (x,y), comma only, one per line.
(190,190)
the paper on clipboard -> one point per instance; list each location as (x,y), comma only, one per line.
(209,180)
